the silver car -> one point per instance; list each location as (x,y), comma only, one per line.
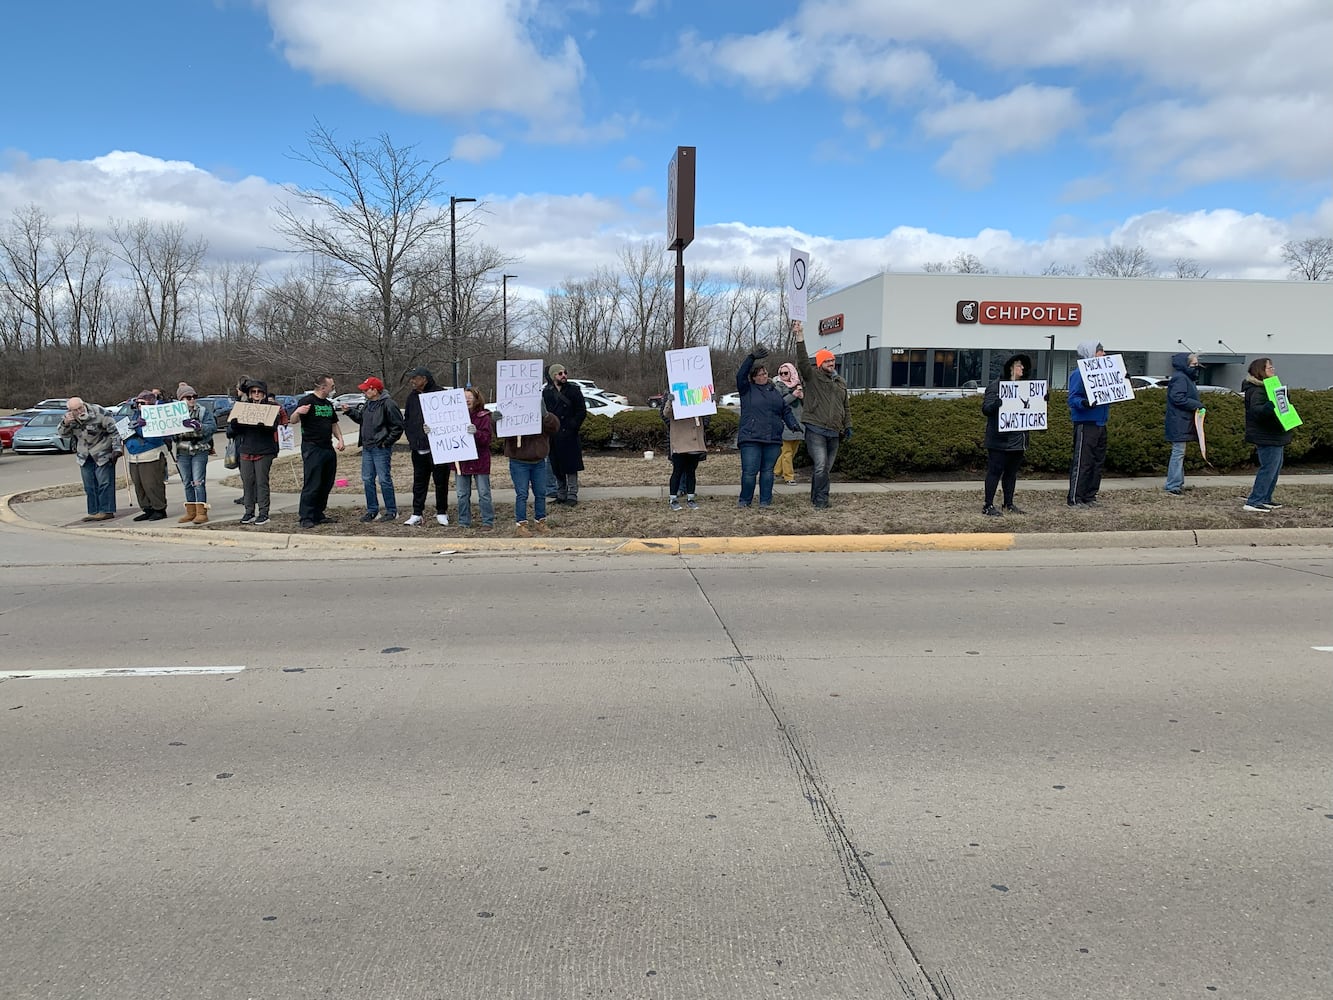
(42,433)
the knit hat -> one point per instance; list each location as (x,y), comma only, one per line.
(185,389)
(555,370)
(822,355)
(147,396)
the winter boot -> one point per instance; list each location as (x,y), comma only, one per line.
(189,514)
(201,513)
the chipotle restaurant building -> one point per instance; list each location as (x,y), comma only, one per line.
(937,331)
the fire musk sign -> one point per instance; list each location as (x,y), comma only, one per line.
(1019,313)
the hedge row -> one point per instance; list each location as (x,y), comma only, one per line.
(904,434)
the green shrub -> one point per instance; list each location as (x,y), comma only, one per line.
(596,432)
(722,429)
(641,430)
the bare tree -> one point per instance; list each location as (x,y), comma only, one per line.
(30,264)
(87,310)
(1120,261)
(1188,267)
(1057,270)
(233,287)
(961,263)
(1310,259)
(648,302)
(379,217)
(164,265)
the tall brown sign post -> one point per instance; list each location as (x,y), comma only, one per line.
(680,228)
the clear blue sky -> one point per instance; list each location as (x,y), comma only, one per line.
(873,133)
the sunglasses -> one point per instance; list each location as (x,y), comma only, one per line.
(187,396)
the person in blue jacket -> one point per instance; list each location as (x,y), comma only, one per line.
(1182,399)
(1089,458)
(147,459)
(764,412)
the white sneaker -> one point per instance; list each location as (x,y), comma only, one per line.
(443,519)
(413,521)
(1253,509)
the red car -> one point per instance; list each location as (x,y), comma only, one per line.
(8,425)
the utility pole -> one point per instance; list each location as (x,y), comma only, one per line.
(504,285)
(453,279)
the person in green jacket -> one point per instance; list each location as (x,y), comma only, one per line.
(826,413)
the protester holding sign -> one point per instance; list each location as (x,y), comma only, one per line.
(478,470)
(688,447)
(1004,449)
(527,469)
(763,414)
(1182,400)
(1264,430)
(1089,458)
(256,447)
(826,414)
(193,446)
(424,469)
(147,457)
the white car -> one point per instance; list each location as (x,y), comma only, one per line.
(598,406)
(731,400)
(1140,382)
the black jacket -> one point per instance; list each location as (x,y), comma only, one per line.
(381,422)
(1262,426)
(566,405)
(413,422)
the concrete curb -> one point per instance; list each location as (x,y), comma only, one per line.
(354,545)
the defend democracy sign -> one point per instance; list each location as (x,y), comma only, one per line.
(1104,379)
(164,419)
(1023,405)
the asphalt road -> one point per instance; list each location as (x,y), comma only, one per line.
(930,775)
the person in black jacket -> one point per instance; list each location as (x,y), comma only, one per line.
(764,412)
(1264,430)
(381,425)
(1182,400)
(1004,449)
(565,402)
(424,469)
(256,447)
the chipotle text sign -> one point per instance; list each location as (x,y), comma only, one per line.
(1019,313)
(831,324)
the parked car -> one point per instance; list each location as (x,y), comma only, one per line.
(597,406)
(1217,388)
(657,400)
(8,425)
(220,405)
(731,400)
(42,433)
(288,403)
(350,399)
(1140,382)
(52,404)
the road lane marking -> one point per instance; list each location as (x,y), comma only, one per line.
(1322,649)
(52,675)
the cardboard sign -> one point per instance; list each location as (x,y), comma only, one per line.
(445,413)
(798,274)
(518,397)
(164,419)
(265,414)
(1286,413)
(690,379)
(1104,380)
(1023,405)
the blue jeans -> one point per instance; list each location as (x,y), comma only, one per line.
(758,459)
(375,463)
(1270,464)
(822,447)
(99,486)
(1175,468)
(463,494)
(550,487)
(525,475)
(193,470)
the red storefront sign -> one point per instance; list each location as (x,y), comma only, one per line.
(1020,313)
(830,324)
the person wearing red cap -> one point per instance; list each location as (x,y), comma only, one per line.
(381,426)
(825,412)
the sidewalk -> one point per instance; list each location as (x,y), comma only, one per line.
(66,514)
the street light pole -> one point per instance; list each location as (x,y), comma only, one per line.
(453,278)
(504,285)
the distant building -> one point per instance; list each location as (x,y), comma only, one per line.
(933,331)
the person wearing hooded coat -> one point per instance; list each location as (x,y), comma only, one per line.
(256,448)
(1182,400)
(1089,453)
(424,469)
(1004,449)
(793,391)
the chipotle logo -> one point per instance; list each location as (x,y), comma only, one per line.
(1019,313)
(830,324)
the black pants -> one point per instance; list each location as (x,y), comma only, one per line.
(1085,469)
(682,474)
(424,470)
(319,466)
(1002,467)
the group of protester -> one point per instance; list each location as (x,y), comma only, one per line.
(808,403)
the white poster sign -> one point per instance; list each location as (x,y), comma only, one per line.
(518,396)
(690,379)
(164,419)
(445,413)
(797,276)
(1104,379)
(1023,405)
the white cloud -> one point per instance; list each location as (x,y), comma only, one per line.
(1026,118)
(459,58)
(643,8)
(476,148)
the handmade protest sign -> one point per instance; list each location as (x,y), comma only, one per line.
(1104,379)
(123,428)
(1198,430)
(690,379)
(1286,413)
(164,419)
(1023,405)
(445,413)
(518,397)
(265,414)
(798,274)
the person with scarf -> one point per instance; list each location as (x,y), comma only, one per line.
(793,392)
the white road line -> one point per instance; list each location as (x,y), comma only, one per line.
(53,675)
(1322,649)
